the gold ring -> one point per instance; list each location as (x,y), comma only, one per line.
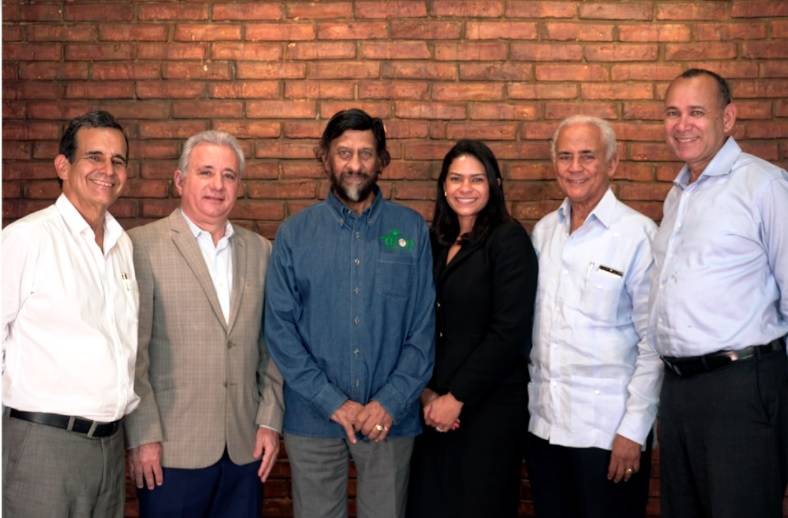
(629,470)
(379,427)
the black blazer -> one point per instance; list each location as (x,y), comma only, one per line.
(484,308)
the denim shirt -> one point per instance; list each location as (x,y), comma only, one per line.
(349,313)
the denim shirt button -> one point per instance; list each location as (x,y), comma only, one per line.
(356,321)
(357,261)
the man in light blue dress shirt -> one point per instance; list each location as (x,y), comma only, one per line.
(594,377)
(719,314)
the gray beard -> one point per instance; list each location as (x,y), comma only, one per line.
(355,193)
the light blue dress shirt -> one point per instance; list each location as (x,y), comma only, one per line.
(593,373)
(349,313)
(721,258)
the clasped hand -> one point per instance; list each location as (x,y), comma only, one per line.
(371,420)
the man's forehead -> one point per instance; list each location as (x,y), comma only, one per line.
(207,154)
(94,136)
(579,135)
(360,138)
(696,91)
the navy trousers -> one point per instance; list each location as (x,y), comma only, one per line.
(223,490)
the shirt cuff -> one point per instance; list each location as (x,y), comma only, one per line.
(329,399)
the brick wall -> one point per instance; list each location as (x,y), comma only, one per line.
(436,70)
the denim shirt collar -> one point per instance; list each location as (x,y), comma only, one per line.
(346,216)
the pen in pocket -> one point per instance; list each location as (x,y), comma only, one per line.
(611,270)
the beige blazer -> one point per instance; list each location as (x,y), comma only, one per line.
(203,383)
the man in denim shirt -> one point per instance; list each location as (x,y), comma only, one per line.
(349,322)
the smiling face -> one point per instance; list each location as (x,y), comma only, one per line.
(353,167)
(209,186)
(467,190)
(96,177)
(581,167)
(696,124)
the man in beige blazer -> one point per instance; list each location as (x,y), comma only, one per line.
(206,431)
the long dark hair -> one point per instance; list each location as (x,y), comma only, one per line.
(445,225)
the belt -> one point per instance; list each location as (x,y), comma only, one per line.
(691,365)
(69,423)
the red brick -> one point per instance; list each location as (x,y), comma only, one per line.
(774,69)
(758,9)
(436,130)
(59,110)
(425,29)
(137,188)
(321,50)
(561,110)
(10,71)
(103,71)
(257,169)
(31,12)
(685,51)
(245,70)
(766,150)
(779,28)
(49,70)
(352,31)
(539,130)
(729,31)
(146,149)
(616,11)
(388,9)
(192,109)
(482,130)
(425,150)
(158,168)
(302,129)
(402,129)
(343,70)
(753,110)
(467,8)
(31,90)
(621,52)
(299,169)
(14,110)
(281,109)
(15,33)
(12,189)
(319,90)
(207,70)
(467,91)
(728,69)
(420,70)
(172,11)
(502,111)
(428,110)
(643,191)
(249,129)
(374,108)
(617,91)
(500,30)
(393,89)
(639,131)
(782,108)
(506,71)
(395,50)
(153,208)
(654,32)
(244,89)
(44,190)
(198,32)
(319,10)
(415,190)
(172,51)
(521,150)
(772,129)
(635,172)
(133,32)
(571,72)
(246,51)
(282,190)
(691,11)
(529,171)
(94,52)
(31,51)
(26,130)
(542,91)
(282,31)
(644,110)
(171,129)
(565,31)
(70,32)
(667,172)
(404,170)
(99,12)
(650,72)
(470,51)
(170,89)
(537,9)
(647,152)
(765,49)
(100,90)
(13,150)
(546,52)
(27,170)
(247,11)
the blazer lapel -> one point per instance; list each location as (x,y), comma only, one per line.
(238,245)
(184,241)
(465,252)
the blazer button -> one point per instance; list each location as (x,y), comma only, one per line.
(440,334)
(230,344)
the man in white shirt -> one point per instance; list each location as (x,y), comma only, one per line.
(719,314)
(69,309)
(594,378)
(205,434)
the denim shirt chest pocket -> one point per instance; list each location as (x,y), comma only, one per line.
(602,291)
(394,272)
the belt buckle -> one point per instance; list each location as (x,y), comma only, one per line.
(673,366)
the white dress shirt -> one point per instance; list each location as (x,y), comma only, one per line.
(721,258)
(593,374)
(69,316)
(218,259)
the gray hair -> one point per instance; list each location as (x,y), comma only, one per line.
(220,138)
(605,130)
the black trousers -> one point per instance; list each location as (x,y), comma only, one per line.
(723,438)
(572,482)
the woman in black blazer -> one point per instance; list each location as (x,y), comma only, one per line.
(467,462)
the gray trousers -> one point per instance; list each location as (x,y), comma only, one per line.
(319,469)
(53,473)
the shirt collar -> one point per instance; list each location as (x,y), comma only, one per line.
(345,213)
(196,231)
(720,165)
(77,224)
(605,210)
